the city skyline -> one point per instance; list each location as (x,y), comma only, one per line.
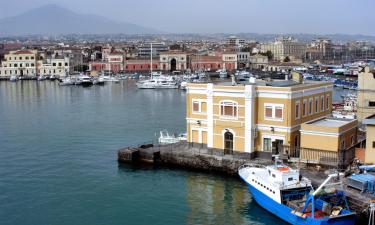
(238,16)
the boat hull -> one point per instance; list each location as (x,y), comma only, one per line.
(284,212)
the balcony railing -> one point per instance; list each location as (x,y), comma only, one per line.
(341,158)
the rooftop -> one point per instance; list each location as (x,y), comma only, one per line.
(369,120)
(331,122)
(276,83)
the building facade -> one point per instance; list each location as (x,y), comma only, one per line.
(369,122)
(19,63)
(366,93)
(255,117)
(285,47)
(54,66)
(173,61)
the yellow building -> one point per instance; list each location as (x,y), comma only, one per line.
(255,117)
(370,139)
(366,93)
(328,136)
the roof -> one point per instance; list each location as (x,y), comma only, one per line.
(331,122)
(369,120)
(23,52)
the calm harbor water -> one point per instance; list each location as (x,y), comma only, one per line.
(58,161)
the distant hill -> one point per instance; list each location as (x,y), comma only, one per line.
(53,19)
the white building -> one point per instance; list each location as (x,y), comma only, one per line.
(54,66)
(285,47)
(19,63)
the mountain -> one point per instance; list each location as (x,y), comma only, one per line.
(53,19)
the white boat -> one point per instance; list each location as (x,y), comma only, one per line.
(183,85)
(285,193)
(98,81)
(13,78)
(41,78)
(107,78)
(66,81)
(223,73)
(166,138)
(85,80)
(158,82)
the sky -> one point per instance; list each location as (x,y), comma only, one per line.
(224,16)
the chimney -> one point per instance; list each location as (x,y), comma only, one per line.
(297,77)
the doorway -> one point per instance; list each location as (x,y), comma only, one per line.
(228,143)
(173,64)
(277,146)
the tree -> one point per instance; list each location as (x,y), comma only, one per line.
(287,59)
(81,68)
(268,54)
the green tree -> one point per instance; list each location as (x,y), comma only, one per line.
(268,54)
(287,59)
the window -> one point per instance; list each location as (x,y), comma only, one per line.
(269,111)
(267,145)
(66,64)
(290,178)
(278,112)
(53,64)
(327,102)
(373,144)
(15,65)
(273,111)
(310,106)
(352,140)
(371,103)
(322,103)
(196,106)
(297,113)
(228,109)
(342,145)
(316,104)
(60,64)
(304,107)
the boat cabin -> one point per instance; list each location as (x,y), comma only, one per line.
(283,175)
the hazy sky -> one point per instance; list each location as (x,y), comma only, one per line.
(231,16)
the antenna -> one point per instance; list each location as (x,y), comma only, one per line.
(151,60)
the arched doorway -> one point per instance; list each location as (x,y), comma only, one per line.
(173,64)
(228,143)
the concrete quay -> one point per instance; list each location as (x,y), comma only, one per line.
(199,157)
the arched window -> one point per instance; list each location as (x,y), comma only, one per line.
(228,142)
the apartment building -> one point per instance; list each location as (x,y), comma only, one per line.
(19,63)
(285,47)
(55,66)
(256,117)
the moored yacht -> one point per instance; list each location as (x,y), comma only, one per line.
(284,192)
(86,80)
(13,78)
(158,82)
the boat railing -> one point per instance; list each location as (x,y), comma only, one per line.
(251,165)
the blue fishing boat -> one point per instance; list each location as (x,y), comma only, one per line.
(282,191)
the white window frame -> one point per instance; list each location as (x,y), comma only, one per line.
(322,103)
(299,109)
(200,101)
(327,102)
(305,108)
(310,106)
(274,106)
(317,108)
(233,103)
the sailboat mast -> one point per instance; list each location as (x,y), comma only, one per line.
(151,60)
